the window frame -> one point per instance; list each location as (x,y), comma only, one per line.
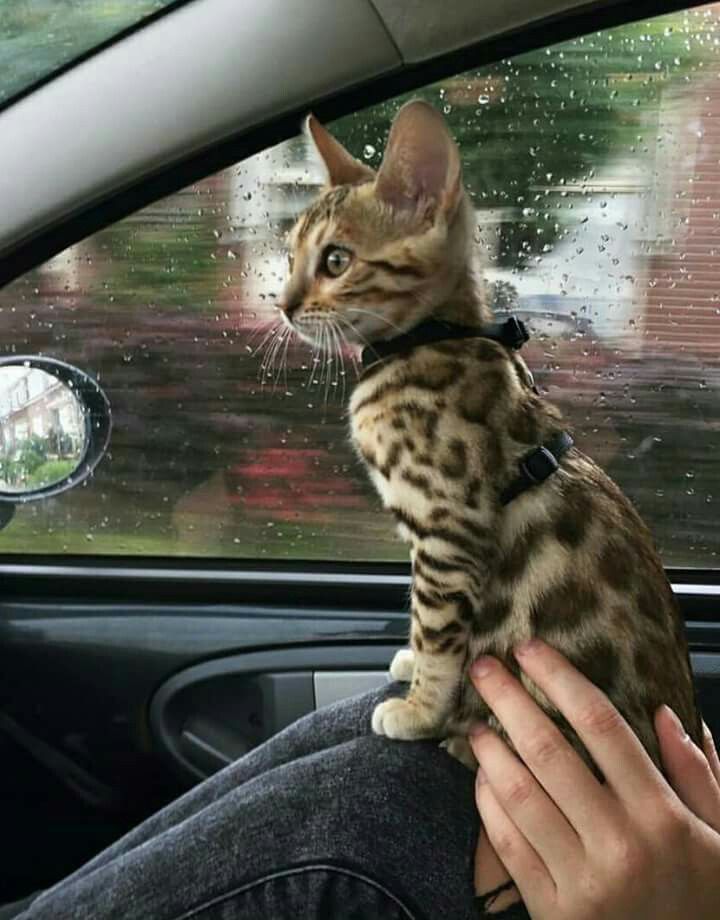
(329,582)
(548,30)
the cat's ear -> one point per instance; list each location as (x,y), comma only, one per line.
(420,171)
(342,168)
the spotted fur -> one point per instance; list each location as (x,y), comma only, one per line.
(441,430)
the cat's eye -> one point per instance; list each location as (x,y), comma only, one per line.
(335,260)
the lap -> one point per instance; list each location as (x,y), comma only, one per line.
(364,827)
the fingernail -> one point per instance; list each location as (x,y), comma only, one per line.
(528,647)
(483,666)
(481,775)
(678,724)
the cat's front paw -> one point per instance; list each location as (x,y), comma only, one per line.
(400,719)
(403,664)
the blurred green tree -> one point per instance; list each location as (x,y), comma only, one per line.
(528,125)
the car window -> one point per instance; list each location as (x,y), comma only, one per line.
(38,37)
(593,170)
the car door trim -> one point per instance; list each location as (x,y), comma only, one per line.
(262,575)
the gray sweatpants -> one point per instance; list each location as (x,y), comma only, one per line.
(325,820)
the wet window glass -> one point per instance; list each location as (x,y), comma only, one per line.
(593,170)
(39,36)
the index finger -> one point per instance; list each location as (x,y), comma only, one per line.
(544,750)
(610,741)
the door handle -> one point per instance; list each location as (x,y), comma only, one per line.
(331,686)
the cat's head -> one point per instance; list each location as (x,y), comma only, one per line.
(377,253)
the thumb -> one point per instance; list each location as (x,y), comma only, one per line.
(688,768)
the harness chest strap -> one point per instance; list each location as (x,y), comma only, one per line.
(538,465)
(535,466)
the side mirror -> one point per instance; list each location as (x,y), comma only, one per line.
(55,426)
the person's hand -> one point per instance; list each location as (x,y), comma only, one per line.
(578,849)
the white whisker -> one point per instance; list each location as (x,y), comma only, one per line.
(382,319)
(337,349)
(288,340)
(268,364)
(327,361)
(314,359)
(267,339)
(340,366)
(262,326)
(282,364)
(353,356)
(350,325)
(267,348)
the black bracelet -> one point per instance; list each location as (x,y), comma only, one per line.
(516,911)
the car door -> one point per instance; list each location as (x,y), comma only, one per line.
(228,568)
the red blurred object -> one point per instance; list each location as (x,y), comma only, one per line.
(286,483)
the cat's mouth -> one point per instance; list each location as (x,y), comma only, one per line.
(326,330)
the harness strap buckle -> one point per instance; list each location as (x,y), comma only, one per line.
(539,465)
(514,333)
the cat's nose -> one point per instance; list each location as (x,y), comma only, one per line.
(290,302)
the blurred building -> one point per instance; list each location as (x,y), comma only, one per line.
(682,273)
(33,403)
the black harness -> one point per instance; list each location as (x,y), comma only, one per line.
(535,466)
(512,334)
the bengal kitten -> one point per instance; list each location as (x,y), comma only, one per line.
(442,428)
